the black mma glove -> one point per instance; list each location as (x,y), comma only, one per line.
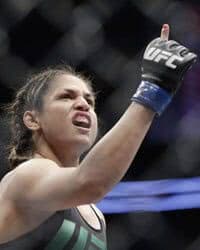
(164,65)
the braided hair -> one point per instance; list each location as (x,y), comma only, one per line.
(30,97)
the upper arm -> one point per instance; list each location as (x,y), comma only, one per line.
(42,185)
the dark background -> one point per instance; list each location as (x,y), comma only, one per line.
(105,39)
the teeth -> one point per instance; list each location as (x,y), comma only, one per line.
(82,119)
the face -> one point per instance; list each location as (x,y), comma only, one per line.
(68,117)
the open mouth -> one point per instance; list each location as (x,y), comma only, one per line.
(82,121)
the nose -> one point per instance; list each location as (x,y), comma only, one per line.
(81,104)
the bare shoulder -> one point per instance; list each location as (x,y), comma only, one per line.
(24,174)
(35,166)
(32,165)
(42,185)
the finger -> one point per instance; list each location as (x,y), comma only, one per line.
(165,32)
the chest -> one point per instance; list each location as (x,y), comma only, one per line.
(81,229)
(77,229)
(91,215)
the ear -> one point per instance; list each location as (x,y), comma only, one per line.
(31,120)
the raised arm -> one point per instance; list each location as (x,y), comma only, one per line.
(163,67)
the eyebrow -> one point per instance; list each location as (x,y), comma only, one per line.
(86,94)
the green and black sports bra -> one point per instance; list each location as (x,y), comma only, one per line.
(64,230)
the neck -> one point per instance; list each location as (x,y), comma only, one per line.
(64,158)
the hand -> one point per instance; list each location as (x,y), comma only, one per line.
(165,62)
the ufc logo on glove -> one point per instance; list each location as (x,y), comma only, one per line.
(154,54)
(164,64)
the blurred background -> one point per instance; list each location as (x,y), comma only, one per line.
(105,39)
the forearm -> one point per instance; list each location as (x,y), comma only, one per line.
(111,157)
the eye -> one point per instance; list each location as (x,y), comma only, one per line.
(66,96)
(90,102)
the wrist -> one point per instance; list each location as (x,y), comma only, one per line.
(152,96)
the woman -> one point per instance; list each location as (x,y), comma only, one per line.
(46,200)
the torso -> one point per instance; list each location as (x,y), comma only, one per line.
(16,222)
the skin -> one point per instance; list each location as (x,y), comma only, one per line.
(55,129)
(164,35)
(54,179)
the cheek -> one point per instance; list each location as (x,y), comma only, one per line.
(52,120)
(94,126)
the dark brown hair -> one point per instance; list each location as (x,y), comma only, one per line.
(30,97)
